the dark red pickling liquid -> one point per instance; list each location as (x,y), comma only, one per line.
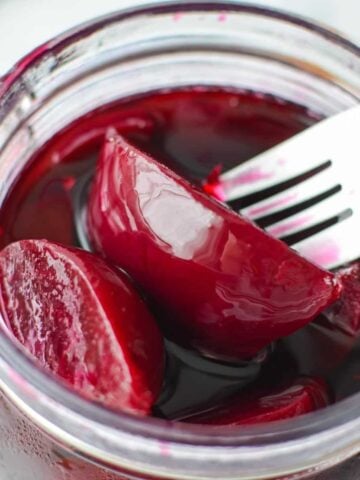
(192,131)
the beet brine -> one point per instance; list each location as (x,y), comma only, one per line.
(253,332)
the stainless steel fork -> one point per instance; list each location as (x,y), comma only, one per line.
(306,190)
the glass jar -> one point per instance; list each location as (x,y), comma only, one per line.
(46,431)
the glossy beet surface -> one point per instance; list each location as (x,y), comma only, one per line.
(83,321)
(225,287)
(346,312)
(300,396)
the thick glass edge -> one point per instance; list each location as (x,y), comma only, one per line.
(157,7)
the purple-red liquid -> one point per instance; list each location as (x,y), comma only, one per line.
(192,131)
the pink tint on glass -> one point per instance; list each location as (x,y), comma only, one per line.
(164,449)
(25,387)
(9,79)
(177,16)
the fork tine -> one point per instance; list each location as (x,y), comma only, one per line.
(322,211)
(291,197)
(305,190)
(334,246)
(264,173)
(277,165)
(306,151)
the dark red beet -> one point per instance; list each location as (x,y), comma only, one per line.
(228,287)
(83,321)
(304,395)
(345,313)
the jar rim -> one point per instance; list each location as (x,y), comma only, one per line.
(158,6)
(303,434)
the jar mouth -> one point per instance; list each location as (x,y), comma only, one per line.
(70,35)
(308,436)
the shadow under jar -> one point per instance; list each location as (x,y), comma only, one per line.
(47,431)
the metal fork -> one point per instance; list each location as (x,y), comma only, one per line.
(306,190)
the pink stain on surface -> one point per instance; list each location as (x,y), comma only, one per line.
(271,206)
(281,161)
(222,17)
(323,254)
(289,227)
(164,449)
(20,382)
(252,175)
(177,16)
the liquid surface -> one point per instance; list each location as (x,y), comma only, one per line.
(192,131)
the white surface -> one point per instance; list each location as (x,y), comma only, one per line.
(24,24)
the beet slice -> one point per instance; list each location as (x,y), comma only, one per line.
(220,284)
(83,321)
(303,395)
(345,313)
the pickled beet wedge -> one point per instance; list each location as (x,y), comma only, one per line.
(83,321)
(219,283)
(303,395)
(345,313)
